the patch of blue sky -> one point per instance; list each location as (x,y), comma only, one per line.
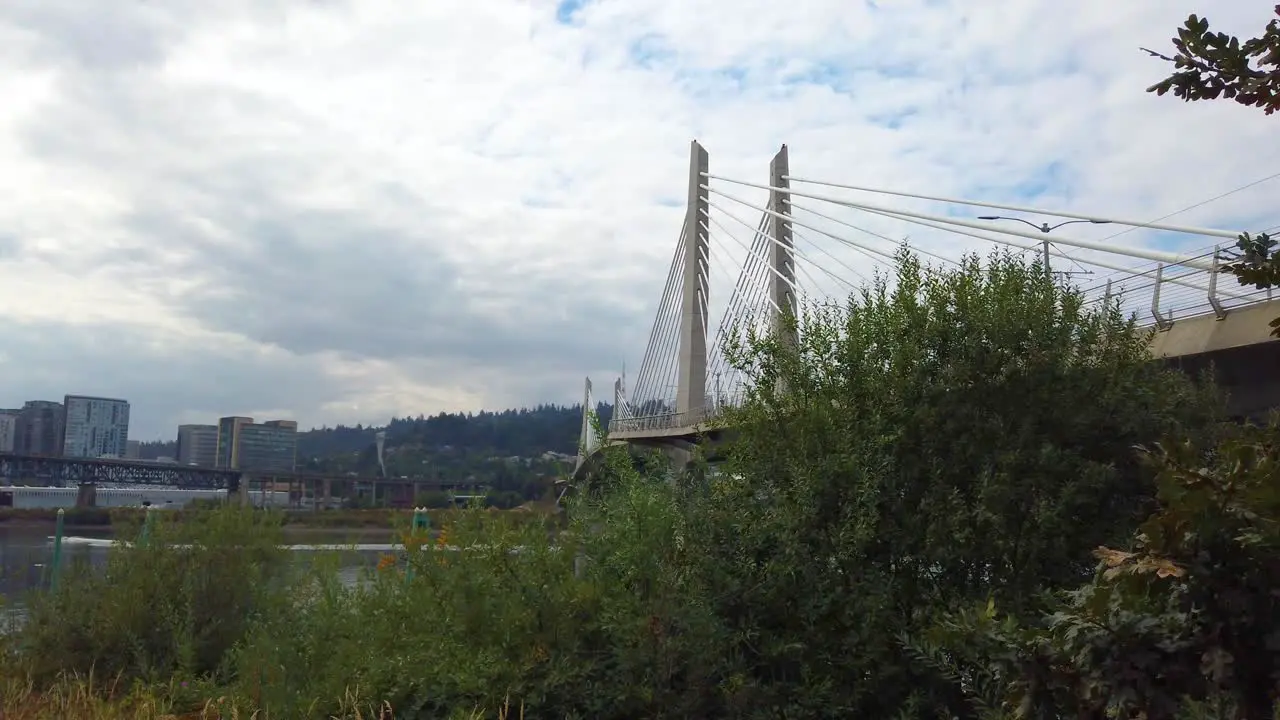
(822,73)
(895,119)
(1048,180)
(649,51)
(567,10)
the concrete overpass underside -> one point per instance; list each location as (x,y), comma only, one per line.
(1244,358)
(1250,375)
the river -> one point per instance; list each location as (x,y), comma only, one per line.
(26,550)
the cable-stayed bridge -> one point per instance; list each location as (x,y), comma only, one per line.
(805,237)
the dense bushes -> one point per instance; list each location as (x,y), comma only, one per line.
(1184,624)
(961,439)
(951,436)
(173,602)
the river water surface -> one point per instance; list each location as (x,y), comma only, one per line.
(26,551)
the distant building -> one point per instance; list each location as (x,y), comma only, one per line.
(39,428)
(198,445)
(271,446)
(95,427)
(132,449)
(8,429)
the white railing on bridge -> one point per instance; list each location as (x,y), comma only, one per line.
(715,407)
(1159,294)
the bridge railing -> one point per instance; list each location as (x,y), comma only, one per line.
(1159,294)
(714,408)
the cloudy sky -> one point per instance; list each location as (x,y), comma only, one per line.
(343,210)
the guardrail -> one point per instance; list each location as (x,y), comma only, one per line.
(1159,294)
(714,408)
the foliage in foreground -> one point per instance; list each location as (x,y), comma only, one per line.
(173,602)
(1186,623)
(954,434)
(1210,65)
(964,434)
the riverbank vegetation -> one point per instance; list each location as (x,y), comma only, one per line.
(335,520)
(966,493)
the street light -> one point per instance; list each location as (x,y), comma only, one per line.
(1044,228)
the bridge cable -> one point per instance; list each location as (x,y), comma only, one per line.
(818,247)
(1211,232)
(1137,253)
(946,226)
(876,234)
(756,253)
(747,314)
(1087,261)
(656,335)
(658,338)
(746,281)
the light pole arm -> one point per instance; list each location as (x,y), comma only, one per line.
(1041,228)
(1046,228)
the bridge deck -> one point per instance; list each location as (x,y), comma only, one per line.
(1200,335)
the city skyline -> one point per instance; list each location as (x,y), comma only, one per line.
(86,426)
(243,209)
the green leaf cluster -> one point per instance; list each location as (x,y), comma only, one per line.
(1256,263)
(1210,65)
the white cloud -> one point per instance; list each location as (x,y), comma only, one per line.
(344,210)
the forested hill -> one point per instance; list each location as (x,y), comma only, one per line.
(526,432)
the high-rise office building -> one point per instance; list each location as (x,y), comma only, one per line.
(8,429)
(198,445)
(271,446)
(95,427)
(39,428)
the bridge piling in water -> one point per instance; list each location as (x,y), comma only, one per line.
(86,495)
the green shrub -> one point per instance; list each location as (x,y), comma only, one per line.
(172,603)
(505,619)
(944,436)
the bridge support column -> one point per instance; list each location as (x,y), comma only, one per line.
(87,495)
(587,440)
(327,492)
(691,389)
(782,258)
(242,492)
